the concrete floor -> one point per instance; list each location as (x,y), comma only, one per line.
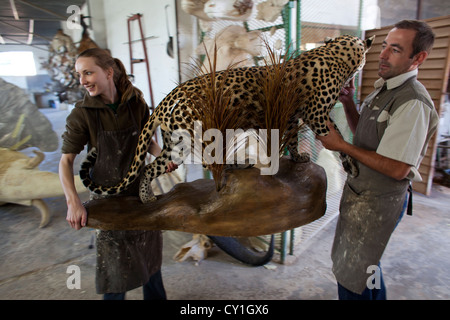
(34,262)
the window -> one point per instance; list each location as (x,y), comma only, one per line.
(17,63)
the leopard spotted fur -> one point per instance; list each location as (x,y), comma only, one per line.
(321,72)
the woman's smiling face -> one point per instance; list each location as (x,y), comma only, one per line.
(92,77)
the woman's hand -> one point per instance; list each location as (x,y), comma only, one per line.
(171,166)
(76,216)
(76,213)
(155,150)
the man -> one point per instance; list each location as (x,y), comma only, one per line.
(390,139)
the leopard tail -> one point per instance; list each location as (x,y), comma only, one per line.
(132,174)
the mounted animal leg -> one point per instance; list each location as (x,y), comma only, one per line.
(45,212)
(151,172)
(292,145)
(348,163)
(34,162)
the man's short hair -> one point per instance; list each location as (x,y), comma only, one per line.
(424,39)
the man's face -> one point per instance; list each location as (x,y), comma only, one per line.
(395,57)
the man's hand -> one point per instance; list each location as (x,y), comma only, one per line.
(347,92)
(351,112)
(389,167)
(333,141)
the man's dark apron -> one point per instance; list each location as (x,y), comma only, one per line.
(369,210)
(125,259)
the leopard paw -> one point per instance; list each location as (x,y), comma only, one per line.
(300,157)
(147,198)
(350,166)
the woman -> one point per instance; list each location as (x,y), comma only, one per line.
(110,118)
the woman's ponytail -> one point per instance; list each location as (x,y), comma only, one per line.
(124,85)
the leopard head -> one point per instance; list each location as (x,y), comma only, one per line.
(351,50)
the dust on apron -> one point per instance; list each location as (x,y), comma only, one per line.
(369,210)
(125,259)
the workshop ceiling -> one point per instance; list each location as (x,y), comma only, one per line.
(33,22)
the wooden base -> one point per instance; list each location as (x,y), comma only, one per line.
(250,204)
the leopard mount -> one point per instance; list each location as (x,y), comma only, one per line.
(250,204)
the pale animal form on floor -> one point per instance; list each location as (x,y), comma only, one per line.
(270,10)
(21,182)
(196,249)
(234,46)
(22,125)
(207,11)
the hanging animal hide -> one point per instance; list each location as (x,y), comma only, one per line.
(239,10)
(21,123)
(234,46)
(270,10)
(207,11)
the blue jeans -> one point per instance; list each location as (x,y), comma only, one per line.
(153,290)
(370,294)
(405,207)
(367,294)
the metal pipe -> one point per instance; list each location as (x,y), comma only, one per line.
(298,41)
(27,31)
(42,9)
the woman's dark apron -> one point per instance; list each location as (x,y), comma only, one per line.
(370,207)
(125,259)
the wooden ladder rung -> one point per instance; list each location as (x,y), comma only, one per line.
(138,17)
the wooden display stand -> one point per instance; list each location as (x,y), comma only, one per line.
(250,204)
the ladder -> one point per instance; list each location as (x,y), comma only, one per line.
(145,59)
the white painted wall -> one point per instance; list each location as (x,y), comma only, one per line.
(330,11)
(163,69)
(342,12)
(95,9)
